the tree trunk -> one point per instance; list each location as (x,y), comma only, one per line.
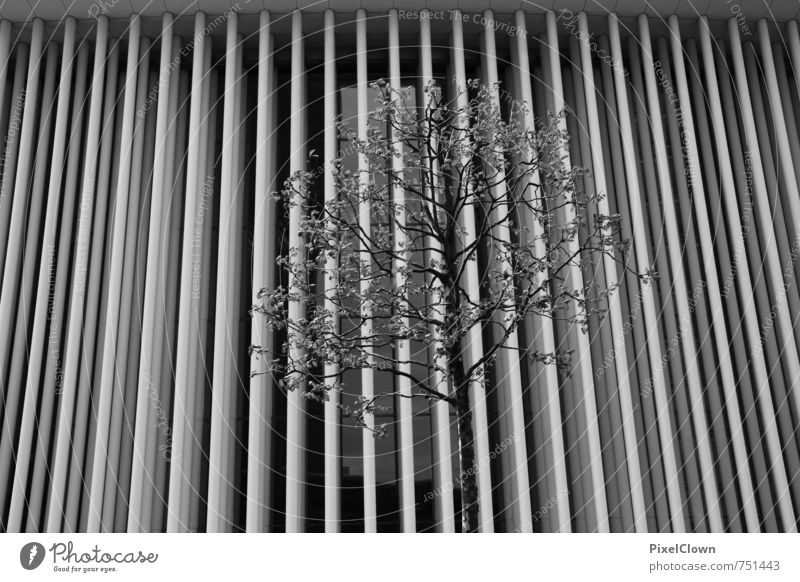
(470,517)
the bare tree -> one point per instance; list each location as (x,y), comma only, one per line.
(442,192)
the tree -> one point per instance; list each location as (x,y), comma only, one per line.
(392,255)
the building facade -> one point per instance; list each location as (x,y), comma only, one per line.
(142,145)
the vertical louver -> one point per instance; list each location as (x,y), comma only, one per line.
(138,226)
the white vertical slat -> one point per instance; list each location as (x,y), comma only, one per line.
(440,410)
(747,246)
(718,323)
(94,296)
(220,474)
(149,368)
(789,106)
(794,53)
(505,510)
(794,50)
(118,472)
(365,223)
(508,369)
(259,453)
(46,282)
(615,309)
(154,328)
(765,138)
(785,418)
(729,463)
(143,179)
(780,214)
(186,430)
(537,328)
(670,364)
(122,356)
(403,353)
(159,390)
(636,349)
(295,413)
(648,182)
(790,197)
(234,375)
(583,369)
(183,426)
(636,345)
(546,467)
(648,300)
(14,289)
(5,52)
(474,343)
(92,377)
(540,329)
(678,277)
(775,277)
(62,455)
(11,154)
(699,314)
(259,448)
(333,445)
(573,423)
(53,375)
(172,255)
(198,369)
(601,341)
(28,273)
(15,193)
(115,288)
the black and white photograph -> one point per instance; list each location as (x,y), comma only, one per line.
(387,267)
